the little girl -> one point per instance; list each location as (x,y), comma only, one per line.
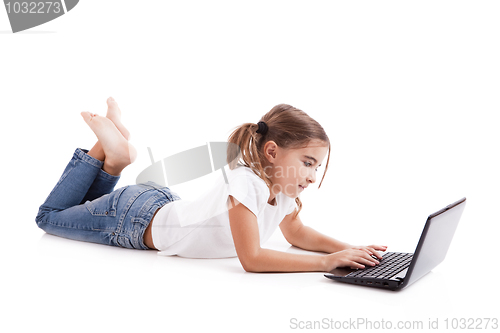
(279,159)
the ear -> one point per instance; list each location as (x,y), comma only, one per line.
(270,149)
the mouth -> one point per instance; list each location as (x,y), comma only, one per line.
(302,188)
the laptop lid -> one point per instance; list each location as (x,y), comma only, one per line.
(434,242)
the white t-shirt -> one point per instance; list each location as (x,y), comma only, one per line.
(200,228)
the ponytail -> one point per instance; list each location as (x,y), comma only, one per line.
(245,140)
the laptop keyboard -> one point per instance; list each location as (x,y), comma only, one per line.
(391,264)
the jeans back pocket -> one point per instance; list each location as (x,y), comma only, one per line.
(105,205)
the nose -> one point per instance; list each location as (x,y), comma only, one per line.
(312,177)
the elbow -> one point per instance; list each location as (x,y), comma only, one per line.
(248,268)
(293,236)
(294,241)
(250,262)
(249,265)
(252,269)
(290,240)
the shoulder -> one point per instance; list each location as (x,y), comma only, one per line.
(248,188)
(246,175)
(241,170)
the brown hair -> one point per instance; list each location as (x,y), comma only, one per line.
(288,127)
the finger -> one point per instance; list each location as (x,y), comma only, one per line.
(376,254)
(379,247)
(355,260)
(356,265)
(370,260)
(367,250)
(366,256)
(362,258)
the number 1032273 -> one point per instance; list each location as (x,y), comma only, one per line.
(33,7)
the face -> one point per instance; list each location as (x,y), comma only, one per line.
(292,170)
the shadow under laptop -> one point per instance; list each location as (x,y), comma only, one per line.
(431,292)
(370,288)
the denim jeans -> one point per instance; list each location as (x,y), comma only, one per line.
(84,205)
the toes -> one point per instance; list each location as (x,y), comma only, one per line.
(112,103)
(87,116)
(114,111)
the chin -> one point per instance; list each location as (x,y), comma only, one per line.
(291,191)
(293,196)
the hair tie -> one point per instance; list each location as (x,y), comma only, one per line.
(262,128)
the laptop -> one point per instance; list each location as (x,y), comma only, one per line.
(399,270)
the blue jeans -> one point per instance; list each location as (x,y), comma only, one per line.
(83,205)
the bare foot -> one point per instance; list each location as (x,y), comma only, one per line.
(115,115)
(119,152)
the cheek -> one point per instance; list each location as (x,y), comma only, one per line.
(303,172)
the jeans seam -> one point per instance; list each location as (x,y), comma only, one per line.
(41,222)
(127,209)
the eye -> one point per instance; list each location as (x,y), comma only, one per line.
(307,164)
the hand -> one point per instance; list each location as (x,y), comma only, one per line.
(353,258)
(371,249)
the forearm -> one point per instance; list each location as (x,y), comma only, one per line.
(309,239)
(267,260)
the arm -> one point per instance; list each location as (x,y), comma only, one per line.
(297,234)
(307,238)
(253,258)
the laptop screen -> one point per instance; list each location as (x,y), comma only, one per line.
(435,240)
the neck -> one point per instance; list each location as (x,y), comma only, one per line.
(272,196)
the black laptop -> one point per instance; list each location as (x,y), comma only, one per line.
(398,270)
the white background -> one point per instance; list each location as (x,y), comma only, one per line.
(407,91)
